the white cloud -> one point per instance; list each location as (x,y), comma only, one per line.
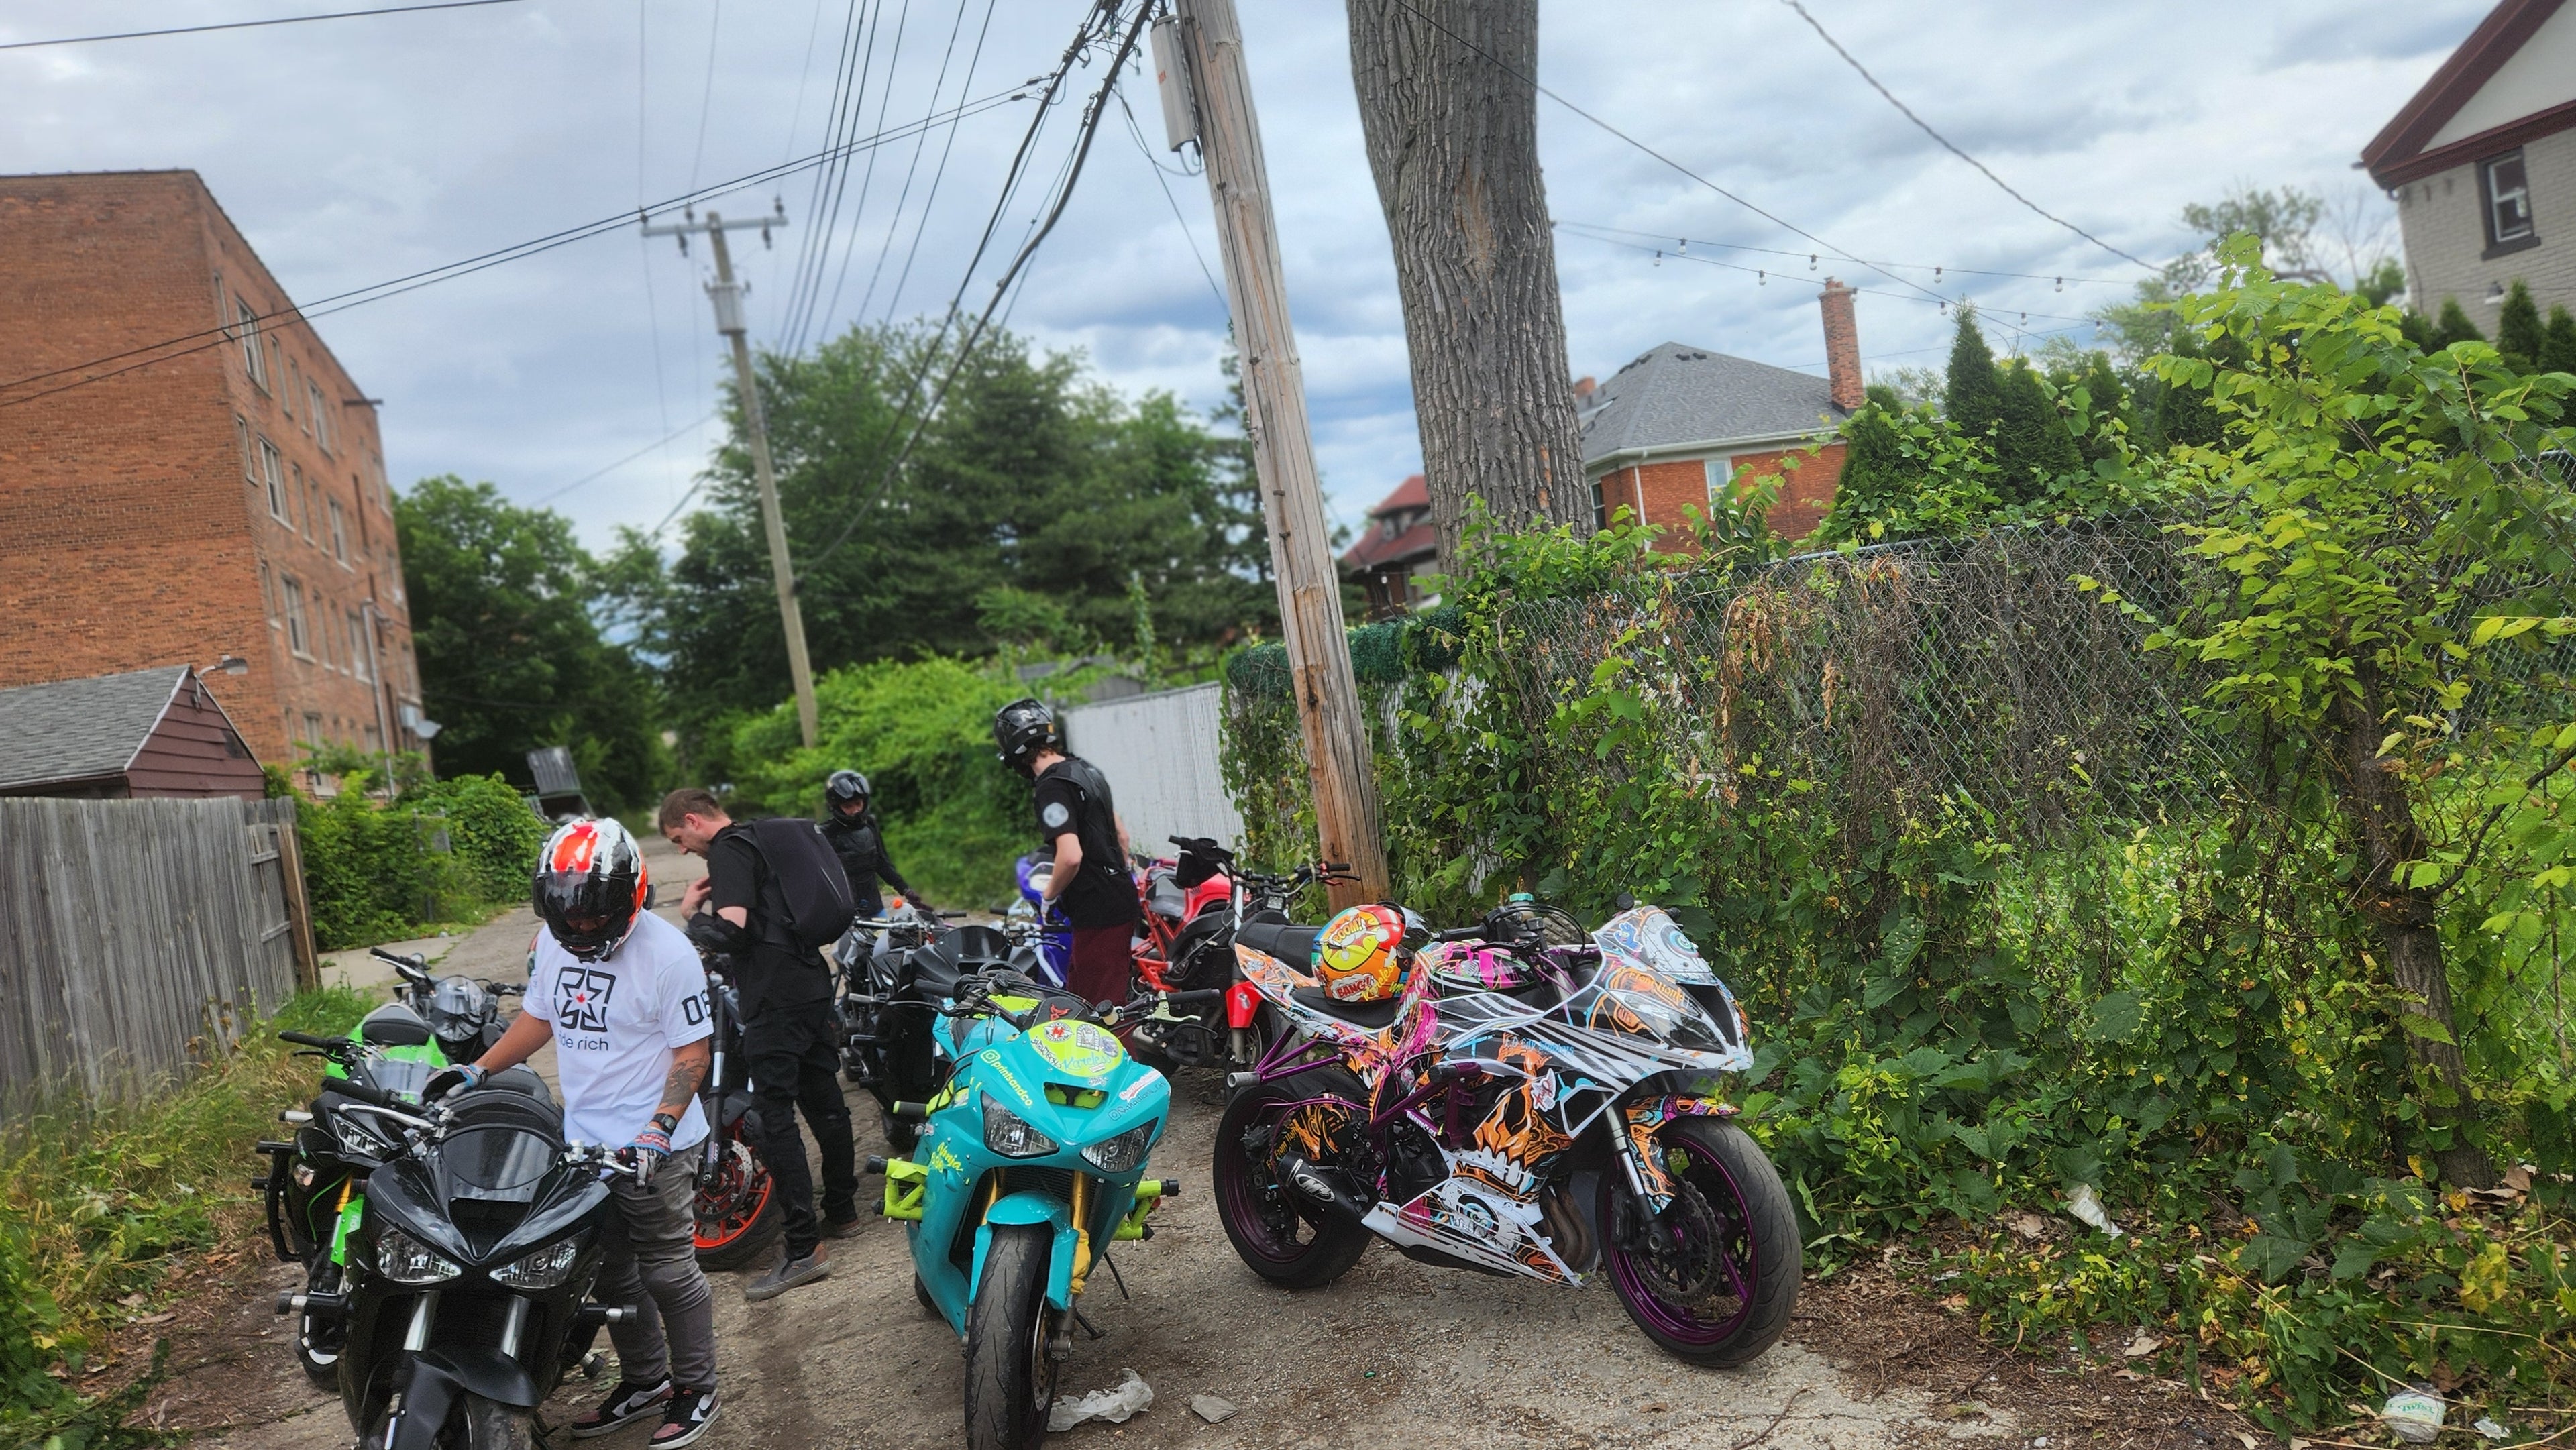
(354,151)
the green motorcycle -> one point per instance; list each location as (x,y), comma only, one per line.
(1030,1163)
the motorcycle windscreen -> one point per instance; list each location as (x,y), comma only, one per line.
(402,1075)
(496,1163)
(1645,1003)
(458,1008)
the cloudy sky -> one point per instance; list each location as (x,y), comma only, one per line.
(358,150)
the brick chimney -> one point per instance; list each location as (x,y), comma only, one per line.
(1842,345)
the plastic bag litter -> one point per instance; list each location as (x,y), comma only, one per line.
(1130,1397)
(2413,1414)
(1211,1408)
(2086,1205)
(2492,1430)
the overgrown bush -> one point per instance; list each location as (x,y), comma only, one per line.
(2020,906)
(375,871)
(922,732)
(93,1209)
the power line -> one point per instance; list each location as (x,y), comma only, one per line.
(858,70)
(1533,83)
(252,24)
(1091,117)
(930,201)
(1763,273)
(1169,200)
(673,436)
(224,335)
(1947,145)
(1937,269)
(707,97)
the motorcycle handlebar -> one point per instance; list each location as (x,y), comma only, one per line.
(367,1092)
(1460,933)
(307,1039)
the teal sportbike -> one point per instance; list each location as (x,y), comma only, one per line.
(1030,1164)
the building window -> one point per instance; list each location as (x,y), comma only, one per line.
(358,647)
(276,363)
(2508,196)
(339,536)
(268,596)
(288,397)
(1600,502)
(298,630)
(312,492)
(272,466)
(246,331)
(321,415)
(1721,480)
(250,455)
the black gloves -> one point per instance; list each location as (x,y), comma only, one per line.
(712,933)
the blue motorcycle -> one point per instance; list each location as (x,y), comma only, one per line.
(1030,1163)
(1030,916)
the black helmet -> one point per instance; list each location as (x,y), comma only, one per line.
(1021,729)
(590,887)
(846,786)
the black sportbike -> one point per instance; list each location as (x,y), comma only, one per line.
(469,1274)
(895,971)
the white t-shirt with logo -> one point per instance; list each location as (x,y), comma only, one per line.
(616,1022)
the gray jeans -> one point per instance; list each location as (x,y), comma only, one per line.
(651,1264)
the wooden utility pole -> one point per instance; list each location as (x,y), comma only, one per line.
(755,424)
(1200,55)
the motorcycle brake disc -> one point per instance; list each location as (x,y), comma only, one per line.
(1678,1252)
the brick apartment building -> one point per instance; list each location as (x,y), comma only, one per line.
(186,472)
(1680,423)
(2482,163)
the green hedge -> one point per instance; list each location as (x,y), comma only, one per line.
(374,871)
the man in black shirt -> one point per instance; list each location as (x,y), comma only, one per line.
(788,1040)
(856,837)
(1080,823)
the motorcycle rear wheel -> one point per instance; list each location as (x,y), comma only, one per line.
(1010,1381)
(1757,1246)
(738,1216)
(1275,1230)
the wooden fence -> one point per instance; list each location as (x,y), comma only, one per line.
(139,938)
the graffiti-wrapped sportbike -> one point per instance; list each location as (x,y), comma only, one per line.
(1531,1104)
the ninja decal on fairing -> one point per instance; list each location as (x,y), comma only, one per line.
(1078,1049)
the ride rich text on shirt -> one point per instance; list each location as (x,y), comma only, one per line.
(616,1023)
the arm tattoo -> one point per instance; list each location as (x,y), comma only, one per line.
(682,1084)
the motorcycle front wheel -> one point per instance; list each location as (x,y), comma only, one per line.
(473,1423)
(1010,1382)
(1712,1279)
(737,1208)
(318,1341)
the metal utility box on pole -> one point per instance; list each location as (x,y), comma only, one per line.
(1213,85)
(727,294)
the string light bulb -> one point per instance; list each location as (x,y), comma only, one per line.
(1659,256)
(1685,251)
(1936,274)
(1811,261)
(1761,278)
(2061,284)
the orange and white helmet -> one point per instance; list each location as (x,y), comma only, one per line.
(1361,956)
(590,886)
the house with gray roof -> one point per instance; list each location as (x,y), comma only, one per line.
(145,733)
(1670,430)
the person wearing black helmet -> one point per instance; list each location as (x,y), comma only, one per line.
(1080,823)
(621,995)
(857,838)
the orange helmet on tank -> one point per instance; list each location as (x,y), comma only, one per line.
(1360,955)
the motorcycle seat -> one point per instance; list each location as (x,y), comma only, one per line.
(1285,941)
(524,1080)
(1372,1015)
(394,1025)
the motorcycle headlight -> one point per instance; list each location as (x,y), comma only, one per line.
(406,1260)
(355,1140)
(1005,1134)
(1124,1153)
(543,1269)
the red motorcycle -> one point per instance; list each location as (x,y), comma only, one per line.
(1187,900)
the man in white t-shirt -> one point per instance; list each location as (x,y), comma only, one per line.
(623,998)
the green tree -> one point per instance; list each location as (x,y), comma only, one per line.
(2032,444)
(1974,398)
(2357,519)
(2518,332)
(2558,343)
(511,656)
(1908,473)
(1030,475)
(2454,326)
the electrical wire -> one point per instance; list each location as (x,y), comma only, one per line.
(836,111)
(226,335)
(1072,173)
(673,436)
(836,184)
(707,96)
(1944,303)
(814,306)
(1533,83)
(1936,268)
(1174,203)
(912,169)
(1951,147)
(252,24)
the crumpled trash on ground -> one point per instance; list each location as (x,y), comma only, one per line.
(1211,1408)
(2413,1414)
(2086,1205)
(2492,1430)
(1131,1396)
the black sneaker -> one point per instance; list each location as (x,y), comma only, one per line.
(626,1404)
(689,1415)
(789,1274)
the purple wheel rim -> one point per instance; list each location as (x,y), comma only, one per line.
(1242,1199)
(1675,1321)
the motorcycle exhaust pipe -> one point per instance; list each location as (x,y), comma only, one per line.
(1315,1186)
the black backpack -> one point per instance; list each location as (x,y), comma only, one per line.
(810,880)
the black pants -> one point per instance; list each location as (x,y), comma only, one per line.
(795,1062)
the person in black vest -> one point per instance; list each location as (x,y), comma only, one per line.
(859,841)
(1080,824)
(740,907)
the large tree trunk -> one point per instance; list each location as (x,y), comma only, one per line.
(1453,145)
(2382,818)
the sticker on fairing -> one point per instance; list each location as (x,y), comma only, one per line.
(1078,1048)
